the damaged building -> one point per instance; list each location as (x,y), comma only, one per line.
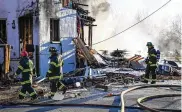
(36,25)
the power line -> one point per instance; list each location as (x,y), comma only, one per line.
(133,24)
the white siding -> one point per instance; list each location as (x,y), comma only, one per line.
(41,30)
(12,10)
(67,30)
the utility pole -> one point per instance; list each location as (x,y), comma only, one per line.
(90,32)
(82,33)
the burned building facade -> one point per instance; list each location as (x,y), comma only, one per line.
(36,25)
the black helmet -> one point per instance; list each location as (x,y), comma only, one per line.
(149,44)
(52,49)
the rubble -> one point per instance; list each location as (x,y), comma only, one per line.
(81,79)
(98,73)
(9,94)
(165,77)
(113,76)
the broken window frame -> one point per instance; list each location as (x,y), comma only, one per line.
(25,28)
(56,30)
(6,39)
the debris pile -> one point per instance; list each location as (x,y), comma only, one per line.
(130,72)
(8,94)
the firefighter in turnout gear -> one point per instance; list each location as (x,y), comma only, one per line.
(54,74)
(151,62)
(26,69)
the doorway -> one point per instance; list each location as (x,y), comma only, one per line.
(25,31)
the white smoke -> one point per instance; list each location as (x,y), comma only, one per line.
(120,14)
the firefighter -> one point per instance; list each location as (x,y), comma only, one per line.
(54,74)
(26,68)
(151,62)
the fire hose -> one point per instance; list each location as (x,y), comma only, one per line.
(140,100)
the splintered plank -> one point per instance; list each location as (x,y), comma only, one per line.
(7,58)
(84,50)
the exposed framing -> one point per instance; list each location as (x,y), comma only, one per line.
(25,24)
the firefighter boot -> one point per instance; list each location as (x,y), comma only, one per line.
(34,97)
(142,78)
(153,82)
(64,89)
(50,96)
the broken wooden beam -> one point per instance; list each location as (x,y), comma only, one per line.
(79,43)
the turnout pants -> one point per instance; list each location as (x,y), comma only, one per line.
(150,70)
(55,85)
(27,88)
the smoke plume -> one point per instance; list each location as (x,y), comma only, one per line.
(114,16)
